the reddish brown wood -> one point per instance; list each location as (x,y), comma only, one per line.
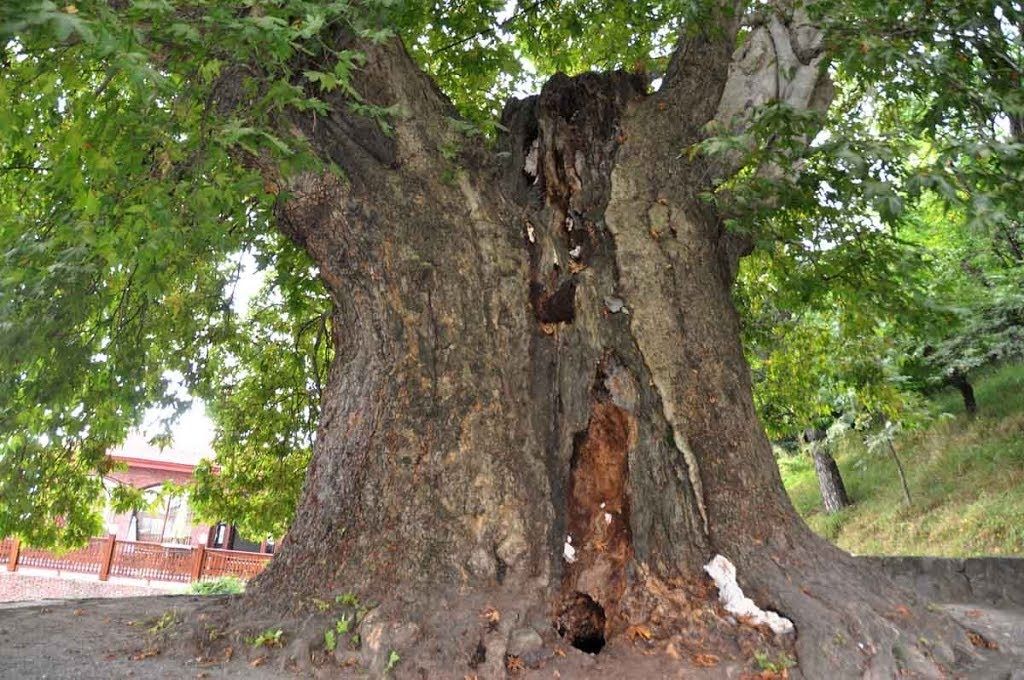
(108,557)
(198,558)
(12,559)
(238,563)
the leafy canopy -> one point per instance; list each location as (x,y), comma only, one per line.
(127,215)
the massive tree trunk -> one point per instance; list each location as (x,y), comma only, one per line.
(539,400)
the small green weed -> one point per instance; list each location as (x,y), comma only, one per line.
(271,637)
(780,663)
(331,635)
(393,659)
(347,600)
(168,619)
(330,640)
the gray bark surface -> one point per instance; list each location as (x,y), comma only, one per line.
(830,482)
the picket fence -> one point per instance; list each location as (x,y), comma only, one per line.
(111,556)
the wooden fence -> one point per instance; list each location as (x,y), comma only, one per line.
(110,556)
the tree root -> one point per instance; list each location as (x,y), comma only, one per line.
(851,622)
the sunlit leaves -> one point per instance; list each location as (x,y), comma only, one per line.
(141,142)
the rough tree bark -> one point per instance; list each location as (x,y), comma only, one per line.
(958,380)
(539,399)
(830,481)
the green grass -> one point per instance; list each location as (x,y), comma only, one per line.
(225,585)
(966,480)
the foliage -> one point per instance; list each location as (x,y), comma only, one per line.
(275,369)
(224,585)
(812,358)
(125,213)
(140,142)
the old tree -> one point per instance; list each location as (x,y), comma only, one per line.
(537,398)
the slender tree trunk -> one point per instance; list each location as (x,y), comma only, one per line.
(539,401)
(960,382)
(833,491)
(902,474)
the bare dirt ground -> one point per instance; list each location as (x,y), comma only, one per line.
(100,638)
(111,638)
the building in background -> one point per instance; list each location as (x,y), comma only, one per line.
(167,519)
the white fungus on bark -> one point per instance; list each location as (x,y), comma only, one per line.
(569,552)
(723,573)
(532,159)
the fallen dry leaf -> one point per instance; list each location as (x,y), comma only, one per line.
(902,612)
(144,654)
(705,660)
(979,640)
(638,632)
(258,661)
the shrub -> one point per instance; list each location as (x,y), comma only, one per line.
(225,585)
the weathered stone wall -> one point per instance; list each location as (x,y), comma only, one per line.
(990,580)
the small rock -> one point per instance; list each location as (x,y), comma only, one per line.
(524,640)
(943,653)
(614,304)
(347,658)
(481,564)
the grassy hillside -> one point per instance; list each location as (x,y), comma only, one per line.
(966,479)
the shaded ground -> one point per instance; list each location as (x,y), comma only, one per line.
(17,587)
(107,638)
(100,639)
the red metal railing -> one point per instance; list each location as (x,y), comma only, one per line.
(108,557)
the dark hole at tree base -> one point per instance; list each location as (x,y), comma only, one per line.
(582,624)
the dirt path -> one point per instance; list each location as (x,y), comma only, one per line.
(99,639)
(105,638)
(17,588)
